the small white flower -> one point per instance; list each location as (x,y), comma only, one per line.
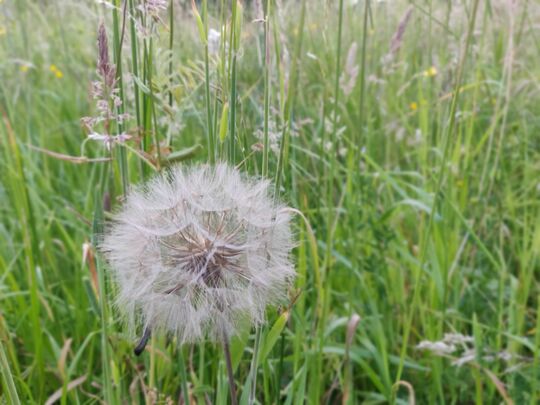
(440,348)
(214,38)
(457,338)
(328,146)
(200,252)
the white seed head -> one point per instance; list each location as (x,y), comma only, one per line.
(200,252)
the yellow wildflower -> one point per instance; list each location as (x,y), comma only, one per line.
(3,31)
(57,72)
(432,71)
(413,106)
(24,68)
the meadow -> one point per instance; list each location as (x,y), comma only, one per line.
(406,133)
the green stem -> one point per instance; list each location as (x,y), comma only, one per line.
(363,68)
(118,37)
(9,384)
(230,372)
(254,366)
(209,126)
(135,67)
(171,43)
(266,88)
(289,104)
(183,375)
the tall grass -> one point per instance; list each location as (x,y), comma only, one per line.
(406,133)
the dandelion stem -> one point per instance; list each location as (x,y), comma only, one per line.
(142,343)
(230,372)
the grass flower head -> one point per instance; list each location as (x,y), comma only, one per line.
(108,101)
(200,252)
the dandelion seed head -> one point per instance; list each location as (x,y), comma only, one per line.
(200,252)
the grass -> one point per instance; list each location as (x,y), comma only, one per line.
(412,156)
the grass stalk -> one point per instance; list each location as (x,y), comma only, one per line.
(183,375)
(19,192)
(290,100)
(7,379)
(234,43)
(449,133)
(118,36)
(171,50)
(208,101)
(266,73)
(135,70)
(363,65)
(101,192)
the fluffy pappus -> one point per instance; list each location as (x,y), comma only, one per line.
(200,252)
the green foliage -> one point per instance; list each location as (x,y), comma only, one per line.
(407,136)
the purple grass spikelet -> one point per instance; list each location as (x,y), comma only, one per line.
(106,70)
(101,128)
